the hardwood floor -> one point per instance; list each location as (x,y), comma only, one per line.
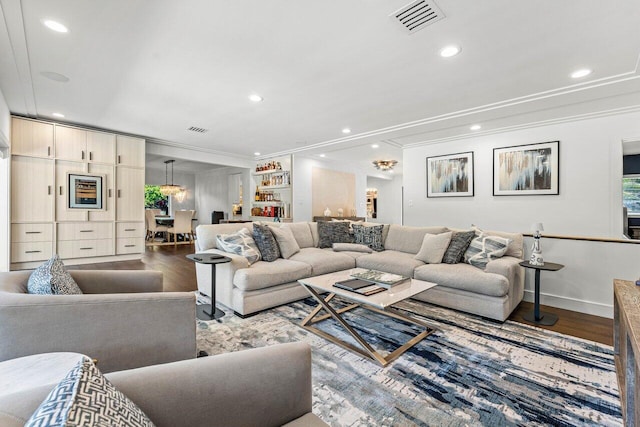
(180,275)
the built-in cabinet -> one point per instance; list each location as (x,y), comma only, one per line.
(42,156)
(272,189)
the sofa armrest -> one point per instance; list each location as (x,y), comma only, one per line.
(508,267)
(117,281)
(122,331)
(267,386)
(224,276)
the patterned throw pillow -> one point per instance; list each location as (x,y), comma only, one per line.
(369,235)
(333,232)
(85,397)
(484,248)
(459,243)
(52,279)
(266,242)
(239,243)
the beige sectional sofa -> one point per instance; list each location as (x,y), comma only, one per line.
(493,293)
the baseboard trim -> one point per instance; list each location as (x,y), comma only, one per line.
(587,307)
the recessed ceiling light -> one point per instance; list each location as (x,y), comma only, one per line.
(55,26)
(58,115)
(374,145)
(256,153)
(346,130)
(449,51)
(580,73)
(475,127)
(323,155)
(255,98)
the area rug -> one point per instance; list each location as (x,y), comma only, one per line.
(470,372)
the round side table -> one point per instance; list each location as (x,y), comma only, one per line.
(209,311)
(536,316)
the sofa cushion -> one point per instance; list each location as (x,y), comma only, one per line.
(351,247)
(286,241)
(433,247)
(484,248)
(267,274)
(333,232)
(86,397)
(390,262)
(241,243)
(302,233)
(52,279)
(324,261)
(408,239)
(368,235)
(266,242)
(313,226)
(460,241)
(464,277)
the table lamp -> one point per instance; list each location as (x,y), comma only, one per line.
(536,252)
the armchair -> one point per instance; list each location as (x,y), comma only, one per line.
(123,319)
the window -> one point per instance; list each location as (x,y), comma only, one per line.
(631,193)
(153,198)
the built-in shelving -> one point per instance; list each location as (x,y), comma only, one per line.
(272,189)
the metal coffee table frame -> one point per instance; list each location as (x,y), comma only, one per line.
(367,350)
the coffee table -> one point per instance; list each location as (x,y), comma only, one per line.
(380,303)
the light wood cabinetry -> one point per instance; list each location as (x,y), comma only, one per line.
(85,239)
(130,151)
(109,212)
(31,242)
(32,189)
(62,187)
(84,145)
(130,194)
(31,138)
(101,147)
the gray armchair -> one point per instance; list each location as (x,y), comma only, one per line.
(123,319)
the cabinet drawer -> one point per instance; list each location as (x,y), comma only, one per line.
(85,248)
(31,251)
(85,230)
(130,229)
(133,245)
(42,232)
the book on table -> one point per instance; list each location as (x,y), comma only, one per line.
(363,287)
(380,277)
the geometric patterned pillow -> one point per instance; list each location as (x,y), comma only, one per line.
(459,243)
(52,279)
(484,248)
(239,243)
(333,232)
(369,235)
(86,398)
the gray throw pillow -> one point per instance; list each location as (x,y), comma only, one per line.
(52,279)
(459,243)
(266,242)
(433,247)
(369,235)
(85,397)
(333,232)
(240,243)
(286,241)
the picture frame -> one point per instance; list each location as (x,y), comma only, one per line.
(85,191)
(450,175)
(527,170)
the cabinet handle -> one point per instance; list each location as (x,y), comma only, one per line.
(129,246)
(86,231)
(33,232)
(119,194)
(109,192)
(32,252)
(49,151)
(61,190)
(119,159)
(129,229)
(90,155)
(85,249)
(49,190)
(82,154)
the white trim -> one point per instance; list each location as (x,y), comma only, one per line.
(587,307)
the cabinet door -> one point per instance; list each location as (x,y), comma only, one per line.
(109,187)
(101,147)
(130,151)
(32,191)
(30,138)
(130,194)
(71,143)
(63,213)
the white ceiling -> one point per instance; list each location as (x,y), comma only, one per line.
(156,67)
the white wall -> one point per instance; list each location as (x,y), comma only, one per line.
(5,138)
(185,180)
(212,193)
(589,204)
(389,201)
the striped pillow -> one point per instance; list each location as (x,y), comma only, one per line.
(485,248)
(239,243)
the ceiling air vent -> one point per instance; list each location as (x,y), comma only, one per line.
(197,129)
(417,15)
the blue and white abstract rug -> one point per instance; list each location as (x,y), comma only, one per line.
(471,372)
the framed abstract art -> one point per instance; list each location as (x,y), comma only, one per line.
(450,175)
(525,170)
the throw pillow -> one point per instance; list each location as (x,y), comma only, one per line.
(333,232)
(460,241)
(240,243)
(370,236)
(266,243)
(52,279)
(433,247)
(352,247)
(286,241)
(85,397)
(484,248)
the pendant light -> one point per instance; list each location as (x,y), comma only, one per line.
(166,189)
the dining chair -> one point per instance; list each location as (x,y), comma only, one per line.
(152,226)
(181,225)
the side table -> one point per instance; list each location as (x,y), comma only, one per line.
(536,316)
(213,260)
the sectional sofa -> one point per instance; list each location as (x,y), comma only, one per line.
(493,292)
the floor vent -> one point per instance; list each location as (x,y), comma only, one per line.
(197,129)
(418,15)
